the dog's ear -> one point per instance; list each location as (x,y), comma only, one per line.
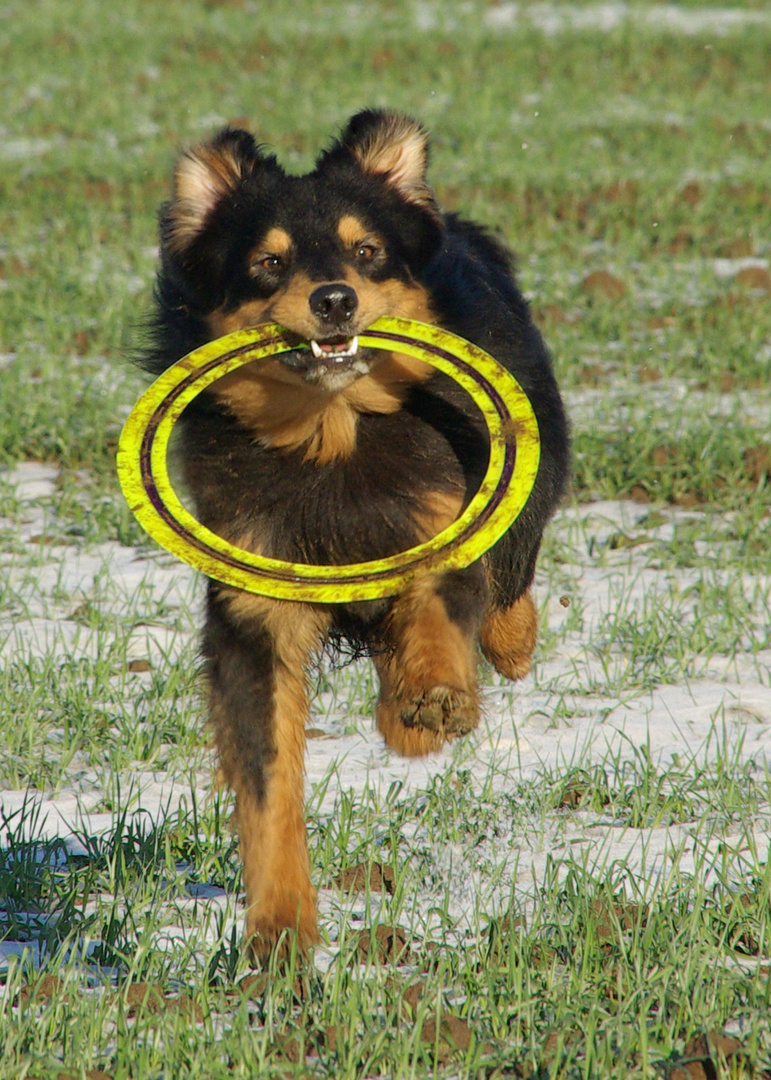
(204,176)
(392,146)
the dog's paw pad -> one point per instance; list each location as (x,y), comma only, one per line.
(443,710)
(425,714)
(462,719)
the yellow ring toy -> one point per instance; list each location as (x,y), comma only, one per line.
(506,487)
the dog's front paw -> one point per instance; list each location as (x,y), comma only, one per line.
(442,709)
(276,936)
(419,722)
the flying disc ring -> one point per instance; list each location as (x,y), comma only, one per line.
(504,491)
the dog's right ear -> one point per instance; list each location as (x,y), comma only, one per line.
(203,178)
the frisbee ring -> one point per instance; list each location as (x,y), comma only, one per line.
(504,491)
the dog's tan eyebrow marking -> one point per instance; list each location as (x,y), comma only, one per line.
(276,241)
(352,231)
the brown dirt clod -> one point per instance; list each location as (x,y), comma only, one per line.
(602,285)
(44,989)
(379,877)
(454,1036)
(757,460)
(754,277)
(699,1056)
(145,996)
(384,944)
(148,998)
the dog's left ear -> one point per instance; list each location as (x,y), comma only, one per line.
(394,147)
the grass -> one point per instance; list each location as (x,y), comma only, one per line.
(582,891)
(593,965)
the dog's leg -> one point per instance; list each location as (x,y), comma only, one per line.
(427,667)
(508,637)
(257,653)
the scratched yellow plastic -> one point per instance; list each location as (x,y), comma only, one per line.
(381,577)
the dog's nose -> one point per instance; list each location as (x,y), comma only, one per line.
(334,304)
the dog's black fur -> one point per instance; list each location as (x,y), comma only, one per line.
(342,456)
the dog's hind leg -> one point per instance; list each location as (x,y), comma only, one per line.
(508,637)
(257,653)
(427,665)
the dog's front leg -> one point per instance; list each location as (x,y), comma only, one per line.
(257,654)
(428,663)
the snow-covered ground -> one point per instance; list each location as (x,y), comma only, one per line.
(583,704)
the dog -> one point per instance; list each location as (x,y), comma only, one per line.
(337,453)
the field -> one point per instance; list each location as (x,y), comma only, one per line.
(583,887)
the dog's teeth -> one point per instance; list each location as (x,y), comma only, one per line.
(329,352)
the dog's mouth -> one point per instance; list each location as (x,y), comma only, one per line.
(335,352)
(331,364)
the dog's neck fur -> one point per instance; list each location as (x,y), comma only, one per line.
(283,412)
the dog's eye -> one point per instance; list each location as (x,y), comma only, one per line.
(364,252)
(268,262)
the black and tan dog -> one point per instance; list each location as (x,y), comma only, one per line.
(337,453)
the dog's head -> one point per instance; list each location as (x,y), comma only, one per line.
(325,254)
